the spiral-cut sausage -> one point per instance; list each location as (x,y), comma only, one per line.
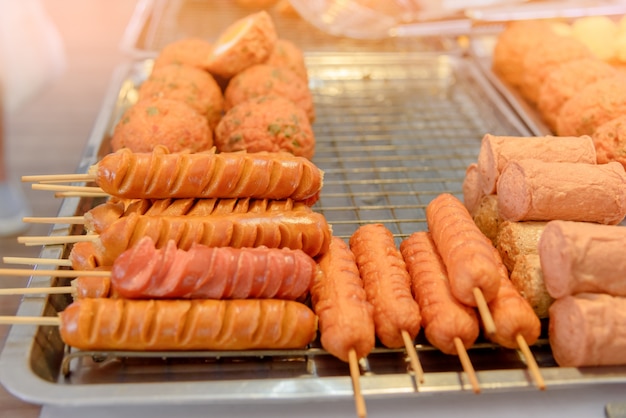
(443,317)
(145,272)
(92,286)
(161,175)
(466,251)
(298,230)
(102,216)
(387,284)
(84,256)
(339,300)
(176,325)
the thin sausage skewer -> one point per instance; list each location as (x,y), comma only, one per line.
(179,325)
(448,324)
(144,271)
(345,316)
(160,174)
(467,254)
(61,262)
(388,287)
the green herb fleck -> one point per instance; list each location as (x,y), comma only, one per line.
(274,129)
(152,111)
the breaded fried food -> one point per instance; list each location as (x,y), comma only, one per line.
(267,123)
(546,57)
(188,84)
(567,80)
(244,43)
(267,80)
(287,55)
(158,121)
(610,141)
(189,51)
(593,106)
(512,44)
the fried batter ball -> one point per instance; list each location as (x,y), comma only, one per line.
(287,55)
(246,42)
(266,123)
(544,58)
(189,51)
(158,121)
(265,80)
(593,106)
(610,141)
(191,85)
(512,44)
(564,82)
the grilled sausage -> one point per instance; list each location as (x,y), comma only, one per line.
(84,256)
(443,317)
(533,190)
(387,284)
(496,151)
(511,313)
(580,257)
(588,330)
(102,216)
(472,188)
(176,325)
(339,300)
(161,175)
(91,286)
(298,230)
(145,272)
(466,252)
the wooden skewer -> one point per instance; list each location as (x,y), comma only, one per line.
(485,314)
(50,240)
(467,364)
(65,188)
(61,262)
(413,358)
(531,362)
(53,290)
(355,374)
(59,178)
(30,320)
(81,194)
(74,220)
(54,273)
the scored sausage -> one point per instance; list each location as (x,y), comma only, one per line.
(85,256)
(472,188)
(588,330)
(512,314)
(298,230)
(387,284)
(160,175)
(102,216)
(92,286)
(339,300)
(145,272)
(496,151)
(466,252)
(443,317)
(580,257)
(175,325)
(533,190)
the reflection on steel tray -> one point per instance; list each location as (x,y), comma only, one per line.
(393,131)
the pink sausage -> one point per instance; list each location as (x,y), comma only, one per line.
(579,257)
(588,330)
(533,190)
(496,151)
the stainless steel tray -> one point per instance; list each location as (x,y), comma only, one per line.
(393,131)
